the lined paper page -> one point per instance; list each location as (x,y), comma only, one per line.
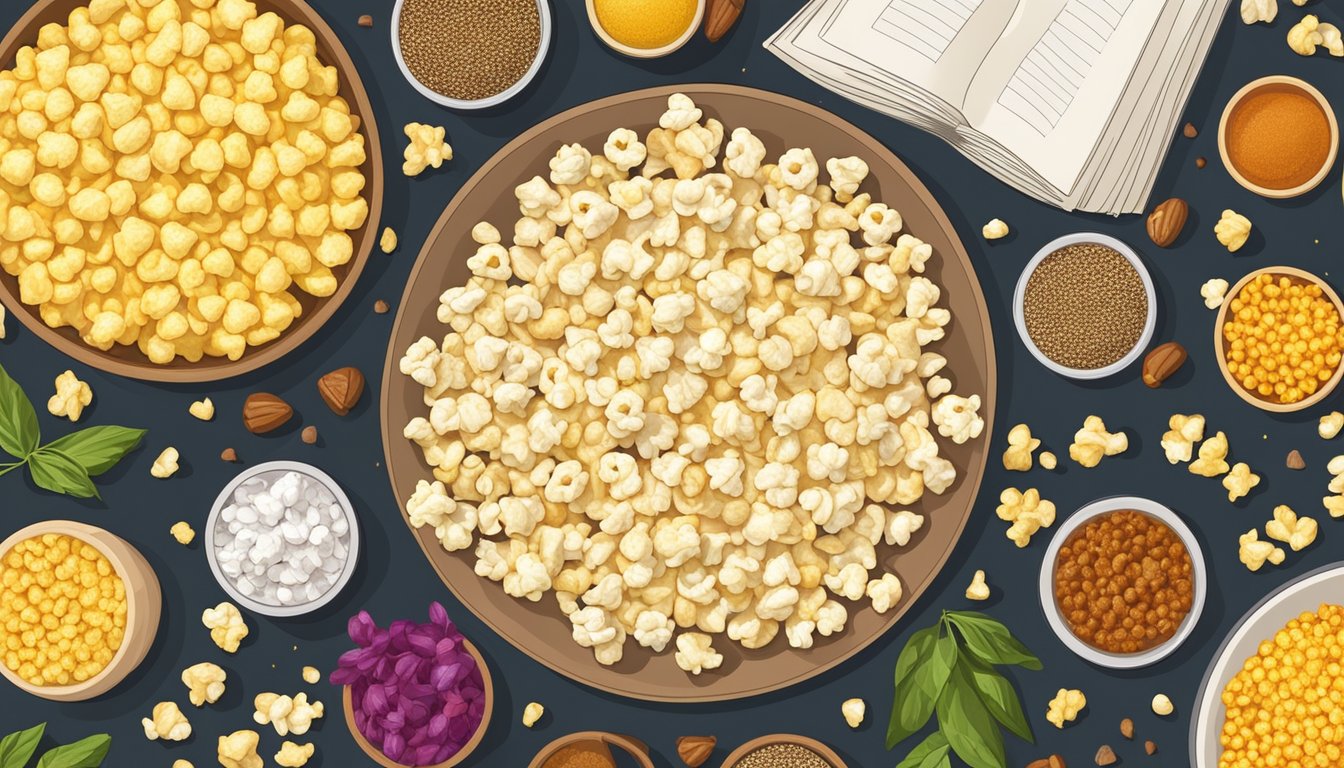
(1045,84)
(927,27)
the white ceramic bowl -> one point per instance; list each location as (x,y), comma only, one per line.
(1056,618)
(1301,595)
(543,47)
(278,468)
(1019,311)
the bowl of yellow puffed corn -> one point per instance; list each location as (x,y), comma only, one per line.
(188,190)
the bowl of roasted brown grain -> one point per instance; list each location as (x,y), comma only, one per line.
(1123,582)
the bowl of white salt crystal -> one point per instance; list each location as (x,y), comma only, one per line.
(282,539)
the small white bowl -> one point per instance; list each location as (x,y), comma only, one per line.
(226,497)
(646,53)
(543,47)
(1149,325)
(1047,589)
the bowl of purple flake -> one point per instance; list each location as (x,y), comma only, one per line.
(416,695)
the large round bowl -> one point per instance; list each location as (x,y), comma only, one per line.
(144,603)
(1301,595)
(539,629)
(128,360)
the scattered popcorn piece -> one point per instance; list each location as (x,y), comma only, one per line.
(287,714)
(293,755)
(311,675)
(205,683)
(72,396)
(695,653)
(1214,292)
(1179,441)
(1330,425)
(1331,38)
(1017,457)
(239,750)
(532,713)
(979,589)
(1259,10)
(226,626)
(1066,705)
(167,723)
(995,229)
(1297,532)
(1232,230)
(1212,460)
(1240,481)
(182,764)
(1254,553)
(202,409)
(426,148)
(1048,460)
(1027,512)
(1092,442)
(1305,35)
(166,465)
(387,242)
(854,711)
(1162,705)
(183,532)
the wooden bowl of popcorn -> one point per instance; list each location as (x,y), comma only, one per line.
(170,255)
(142,596)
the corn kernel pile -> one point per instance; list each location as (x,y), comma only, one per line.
(62,610)
(170,170)
(1286,706)
(1283,338)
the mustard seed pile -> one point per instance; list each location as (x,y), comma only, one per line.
(1085,306)
(469,49)
(782,756)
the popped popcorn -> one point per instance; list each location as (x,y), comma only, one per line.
(226,625)
(1048,460)
(1259,10)
(239,750)
(1178,442)
(182,532)
(695,653)
(205,683)
(167,723)
(311,675)
(202,409)
(287,714)
(72,396)
(532,713)
(1239,481)
(387,241)
(1017,456)
(1232,230)
(1254,553)
(1306,35)
(426,148)
(1092,442)
(979,588)
(853,711)
(293,755)
(994,230)
(1330,425)
(1162,705)
(1064,708)
(1214,292)
(1212,460)
(1027,512)
(166,464)
(1334,504)
(1297,532)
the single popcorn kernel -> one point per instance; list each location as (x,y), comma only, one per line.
(311,675)
(239,750)
(854,711)
(979,588)
(167,723)
(426,148)
(532,713)
(1017,457)
(1330,425)
(996,229)
(1213,292)
(1064,708)
(166,465)
(226,625)
(72,396)
(1232,230)
(293,755)
(1048,460)
(387,242)
(202,409)
(205,683)
(1162,705)
(183,532)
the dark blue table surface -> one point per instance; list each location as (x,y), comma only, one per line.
(395,580)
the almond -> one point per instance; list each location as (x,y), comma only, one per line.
(309,435)
(720,18)
(1163,361)
(264,412)
(341,389)
(694,751)
(1150,747)
(1127,728)
(1106,755)
(1295,460)
(1167,220)
(1053,761)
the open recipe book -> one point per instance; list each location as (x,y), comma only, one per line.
(1073,102)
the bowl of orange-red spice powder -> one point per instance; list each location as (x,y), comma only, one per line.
(1278,137)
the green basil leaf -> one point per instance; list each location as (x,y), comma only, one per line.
(919,681)
(931,753)
(18,747)
(991,642)
(97,449)
(999,697)
(85,753)
(969,727)
(59,473)
(19,433)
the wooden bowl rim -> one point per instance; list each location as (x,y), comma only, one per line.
(823,751)
(376,754)
(1308,89)
(635,748)
(646,53)
(1220,350)
(133,570)
(210,369)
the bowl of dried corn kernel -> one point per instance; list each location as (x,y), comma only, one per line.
(1279,339)
(79,610)
(189,193)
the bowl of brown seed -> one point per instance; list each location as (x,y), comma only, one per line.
(784,750)
(470,54)
(1085,306)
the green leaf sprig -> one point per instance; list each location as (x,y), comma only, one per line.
(67,464)
(18,748)
(949,669)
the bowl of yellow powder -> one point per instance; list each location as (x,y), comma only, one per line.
(79,608)
(645,29)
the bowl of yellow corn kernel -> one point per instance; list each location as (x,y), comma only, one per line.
(189,189)
(1273,694)
(1279,339)
(79,610)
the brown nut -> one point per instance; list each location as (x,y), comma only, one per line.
(380,307)
(264,412)
(720,17)
(1161,362)
(1150,747)
(341,389)
(309,435)
(1053,761)
(695,750)
(366,21)
(1167,220)
(228,454)
(1190,131)
(1127,728)
(1106,755)
(1295,460)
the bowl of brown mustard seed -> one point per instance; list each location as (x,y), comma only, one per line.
(1085,306)
(783,750)
(470,54)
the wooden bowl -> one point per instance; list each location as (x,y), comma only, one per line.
(128,360)
(1220,346)
(144,602)
(376,755)
(646,53)
(1282,83)
(600,739)
(823,751)
(539,629)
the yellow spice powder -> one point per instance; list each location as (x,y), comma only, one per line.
(645,23)
(62,610)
